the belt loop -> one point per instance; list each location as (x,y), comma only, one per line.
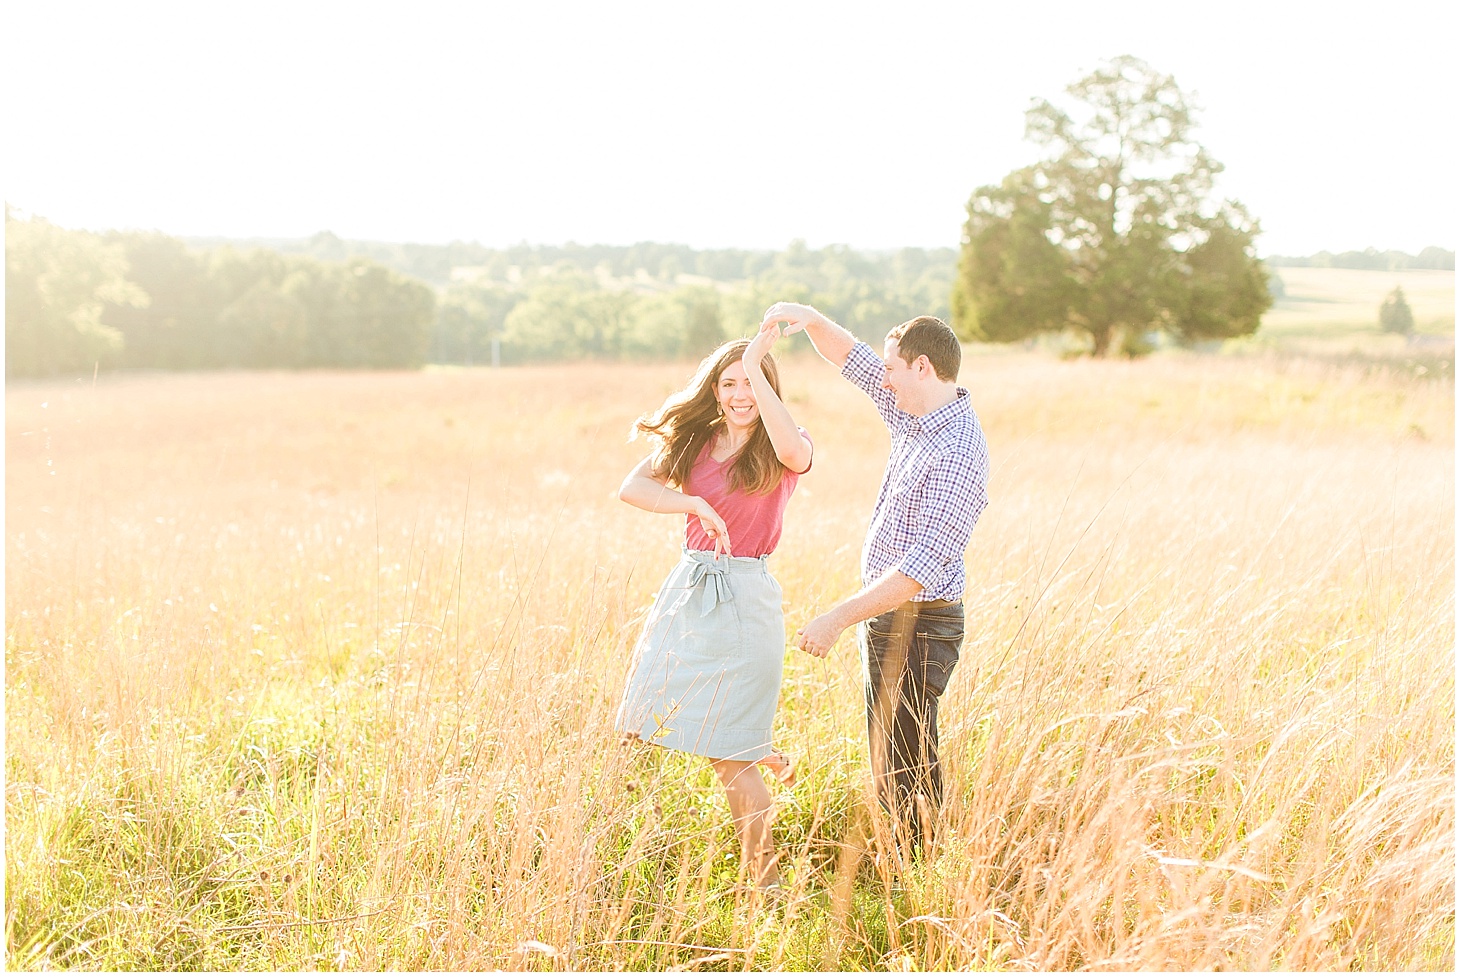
(932,605)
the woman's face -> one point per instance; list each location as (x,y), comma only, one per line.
(735,397)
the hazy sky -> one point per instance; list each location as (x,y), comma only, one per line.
(738,124)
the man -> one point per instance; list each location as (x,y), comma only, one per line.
(910,608)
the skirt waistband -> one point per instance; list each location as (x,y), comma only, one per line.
(731,564)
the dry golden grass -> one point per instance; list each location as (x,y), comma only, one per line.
(318,671)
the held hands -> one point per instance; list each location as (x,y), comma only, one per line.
(713,526)
(794,315)
(761,344)
(817,637)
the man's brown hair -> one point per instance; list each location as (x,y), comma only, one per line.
(929,336)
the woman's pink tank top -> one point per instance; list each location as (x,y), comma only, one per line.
(754,521)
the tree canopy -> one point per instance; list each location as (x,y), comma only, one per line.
(1117,232)
(58,283)
(1395,314)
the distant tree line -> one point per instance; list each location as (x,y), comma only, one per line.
(642,300)
(77,300)
(1371,259)
(438,263)
(1042,252)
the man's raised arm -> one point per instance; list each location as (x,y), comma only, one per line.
(832,341)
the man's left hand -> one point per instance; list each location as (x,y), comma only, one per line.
(793,314)
(817,637)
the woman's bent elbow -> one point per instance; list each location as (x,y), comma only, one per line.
(799,465)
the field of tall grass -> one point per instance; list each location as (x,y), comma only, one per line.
(317,671)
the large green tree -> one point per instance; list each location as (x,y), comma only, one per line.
(1116,232)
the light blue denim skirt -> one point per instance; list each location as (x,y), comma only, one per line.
(706,672)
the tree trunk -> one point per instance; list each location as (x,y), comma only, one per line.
(1101,335)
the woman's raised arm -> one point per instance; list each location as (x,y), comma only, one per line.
(793,450)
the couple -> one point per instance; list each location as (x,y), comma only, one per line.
(706,673)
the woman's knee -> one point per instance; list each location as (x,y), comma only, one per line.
(729,771)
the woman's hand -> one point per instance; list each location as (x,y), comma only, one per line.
(761,344)
(793,314)
(713,526)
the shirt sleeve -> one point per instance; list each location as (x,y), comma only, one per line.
(865,369)
(956,494)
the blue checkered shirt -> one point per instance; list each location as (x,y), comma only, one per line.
(935,486)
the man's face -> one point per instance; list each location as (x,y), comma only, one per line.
(899,377)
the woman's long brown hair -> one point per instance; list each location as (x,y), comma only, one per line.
(689,418)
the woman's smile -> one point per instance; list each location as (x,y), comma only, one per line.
(736,396)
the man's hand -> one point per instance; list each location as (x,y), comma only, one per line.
(796,317)
(891,589)
(817,637)
(831,342)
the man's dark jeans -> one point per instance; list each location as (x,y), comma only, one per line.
(908,655)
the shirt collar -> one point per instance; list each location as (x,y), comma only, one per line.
(935,421)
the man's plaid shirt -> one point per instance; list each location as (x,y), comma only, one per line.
(935,486)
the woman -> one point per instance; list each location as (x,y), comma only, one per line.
(707,668)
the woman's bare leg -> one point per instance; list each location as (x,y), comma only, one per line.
(750,808)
